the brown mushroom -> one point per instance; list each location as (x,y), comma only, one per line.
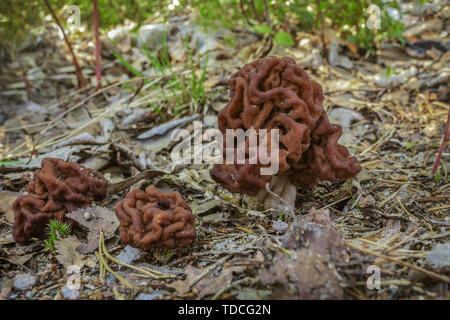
(57,188)
(152,218)
(275,93)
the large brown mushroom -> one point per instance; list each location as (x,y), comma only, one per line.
(152,218)
(275,93)
(57,188)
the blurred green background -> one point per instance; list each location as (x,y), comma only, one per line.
(279,18)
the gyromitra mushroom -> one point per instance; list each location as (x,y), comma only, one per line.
(152,218)
(57,188)
(275,93)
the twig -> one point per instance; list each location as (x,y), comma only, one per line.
(105,265)
(402,242)
(439,208)
(98,44)
(335,202)
(207,270)
(382,203)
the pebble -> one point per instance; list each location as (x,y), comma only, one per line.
(24,281)
(280,225)
(87,215)
(129,254)
(151,296)
(70,293)
(440,255)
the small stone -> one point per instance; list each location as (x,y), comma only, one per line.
(152,296)
(110,280)
(280,225)
(345,117)
(24,281)
(87,215)
(440,255)
(70,293)
(129,254)
(210,121)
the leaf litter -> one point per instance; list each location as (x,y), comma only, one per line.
(394,215)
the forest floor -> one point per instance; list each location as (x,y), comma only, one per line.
(392,218)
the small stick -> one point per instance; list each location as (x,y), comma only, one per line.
(101,259)
(98,44)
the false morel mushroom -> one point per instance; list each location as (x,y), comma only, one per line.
(275,93)
(152,218)
(57,188)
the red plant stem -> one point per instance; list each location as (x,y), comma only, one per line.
(98,45)
(444,142)
(81,81)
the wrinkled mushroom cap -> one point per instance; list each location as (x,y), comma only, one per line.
(57,188)
(275,93)
(152,218)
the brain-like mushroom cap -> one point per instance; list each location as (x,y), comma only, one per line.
(57,188)
(275,93)
(152,218)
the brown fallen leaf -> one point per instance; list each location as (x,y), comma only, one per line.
(211,285)
(95,219)
(184,286)
(67,254)
(19,260)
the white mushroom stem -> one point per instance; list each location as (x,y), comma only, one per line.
(279,196)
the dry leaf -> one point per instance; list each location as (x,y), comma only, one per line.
(96,220)
(68,255)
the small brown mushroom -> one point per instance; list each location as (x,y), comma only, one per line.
(152,218)
(57,188)
(275,93)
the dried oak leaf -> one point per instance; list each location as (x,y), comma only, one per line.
(95,219)
(184,286)
(67,254)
